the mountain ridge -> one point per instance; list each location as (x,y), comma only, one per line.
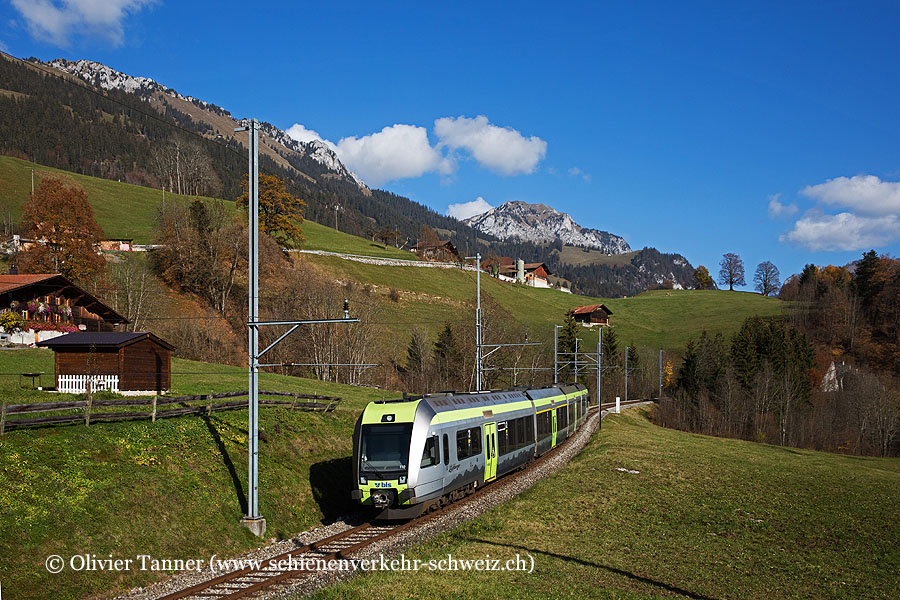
(540,223)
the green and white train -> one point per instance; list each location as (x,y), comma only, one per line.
(418,453)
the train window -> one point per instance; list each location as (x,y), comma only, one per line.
(446,450)
(468,442)
(430,454)
(476,441)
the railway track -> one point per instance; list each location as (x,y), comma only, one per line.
(252,581)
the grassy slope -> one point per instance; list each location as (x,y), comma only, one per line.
(129,211)
(166,488)
(666,319)
(704,518)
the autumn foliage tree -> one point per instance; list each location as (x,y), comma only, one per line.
(280,213)
(702,279)
(59,216)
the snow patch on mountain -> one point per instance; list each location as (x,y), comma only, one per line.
(539,223)
(99,75)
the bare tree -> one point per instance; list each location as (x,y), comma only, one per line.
(766,278)
(731,270)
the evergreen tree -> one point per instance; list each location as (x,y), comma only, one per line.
(610,348)
(415,352)
(446,356)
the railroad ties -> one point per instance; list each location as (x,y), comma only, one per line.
(279,570)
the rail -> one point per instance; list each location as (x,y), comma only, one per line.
(278,571)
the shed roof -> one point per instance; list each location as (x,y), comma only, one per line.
(107,339)
(586,310)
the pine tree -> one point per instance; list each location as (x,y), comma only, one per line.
(610,348)
(446,355)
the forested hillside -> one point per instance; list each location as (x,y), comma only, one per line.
(187,146)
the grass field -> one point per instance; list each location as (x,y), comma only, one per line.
(704,518)
(174,488)
(129,211)
(658,319)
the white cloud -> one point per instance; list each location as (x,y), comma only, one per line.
(302,134)
(396,152)
(778,210)
(865,194)
(843,231)
(55,21)
(500,149)
(464,210)
(4,47)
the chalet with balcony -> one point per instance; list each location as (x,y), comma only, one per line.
(440,250)
(50,305)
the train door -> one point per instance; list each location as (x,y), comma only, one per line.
(553,428)
(490,451)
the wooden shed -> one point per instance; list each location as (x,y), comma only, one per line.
(119,362)
(593,314)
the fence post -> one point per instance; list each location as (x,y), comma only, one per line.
(88,400)
(3,419)
(209,404)
(294,401)
(153,417)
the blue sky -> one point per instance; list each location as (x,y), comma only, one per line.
(769,130)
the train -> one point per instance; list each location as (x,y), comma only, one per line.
(415,454)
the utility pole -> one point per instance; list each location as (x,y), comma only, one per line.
(477,259)
(659,397)
(599,368)
(626,373)
(556,353)
(32,182)
(253,520)
(576,360)
(337,207)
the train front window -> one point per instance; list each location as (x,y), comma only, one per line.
(385,448)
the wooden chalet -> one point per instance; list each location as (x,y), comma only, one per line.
(593,314)
(51,299)
(440,250)
(120,362)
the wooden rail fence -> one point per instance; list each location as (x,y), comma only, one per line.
(296,400)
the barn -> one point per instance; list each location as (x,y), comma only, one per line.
(593,314)
(121,362)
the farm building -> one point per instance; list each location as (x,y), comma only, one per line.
(440,250)
(122,244)
(120,362)
(505,268)
(593,314)
(50,304)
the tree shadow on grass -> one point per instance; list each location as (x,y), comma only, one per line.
(633,576)
(330,482)
(226,459)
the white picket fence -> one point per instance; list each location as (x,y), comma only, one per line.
(77,384)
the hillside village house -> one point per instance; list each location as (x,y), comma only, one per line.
(51,305)
(505,268)
(593,314)
(129,363)
(440,250)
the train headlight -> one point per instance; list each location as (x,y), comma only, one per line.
(363,480)
(402,479)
